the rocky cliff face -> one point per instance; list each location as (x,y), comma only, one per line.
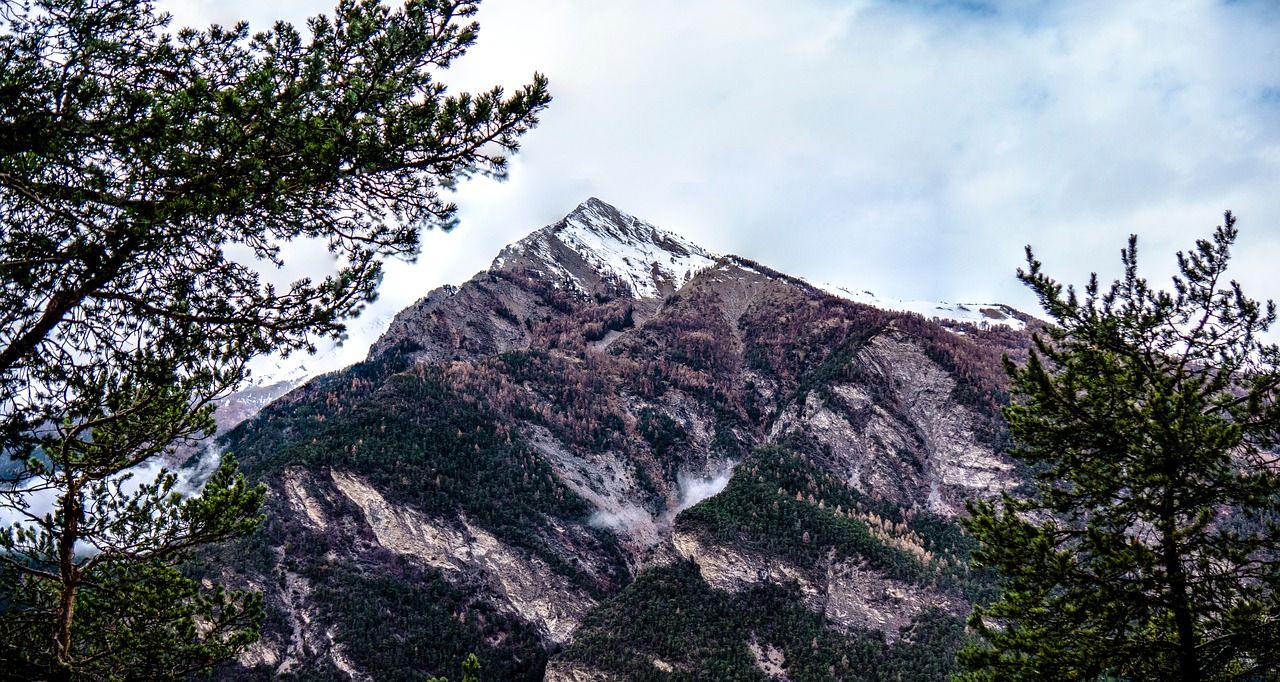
(848,592)
(517,451)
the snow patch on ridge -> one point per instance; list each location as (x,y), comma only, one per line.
(977,314)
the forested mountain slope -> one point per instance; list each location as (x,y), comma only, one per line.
(521,468)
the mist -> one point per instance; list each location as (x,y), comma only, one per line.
(637,522)
(33,499)
(696,489)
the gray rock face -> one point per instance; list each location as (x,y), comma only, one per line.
(848,593)
(951,463)
(522,584)
(566,671)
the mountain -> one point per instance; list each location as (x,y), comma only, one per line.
(248,401)
(614,455)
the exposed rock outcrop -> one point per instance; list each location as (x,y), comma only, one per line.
(568,671)
(847,592)
(523,584)
(916,445)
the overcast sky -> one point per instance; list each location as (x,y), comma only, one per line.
(911,147)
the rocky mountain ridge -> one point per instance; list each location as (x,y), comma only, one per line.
(597,243)
(610,411)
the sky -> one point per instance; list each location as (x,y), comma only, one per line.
(907,147)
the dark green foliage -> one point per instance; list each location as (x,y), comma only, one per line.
(408,625)
(157,622)
(671,615)
(506,314)
(422,444)
(125,177)
(147,177)
(759,509)
(668,443)
(470,671)
(751,511)
(1148,551)
(426,444)
(395,619)
(663,434)
(131,612)
(839,366)
(730,428)
(945,539)
(926,648)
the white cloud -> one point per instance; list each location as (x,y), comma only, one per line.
(907,147)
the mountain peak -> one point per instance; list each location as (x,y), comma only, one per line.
(597,243)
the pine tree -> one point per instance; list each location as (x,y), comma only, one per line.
(1148,550)
(470,671)
(146,180)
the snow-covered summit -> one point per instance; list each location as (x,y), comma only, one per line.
(647,260)
(597,243)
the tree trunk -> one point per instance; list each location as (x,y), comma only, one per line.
(1188,663)
(72,509)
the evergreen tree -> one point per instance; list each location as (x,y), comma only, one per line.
(146,178)
(470,671)
(1149,549)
